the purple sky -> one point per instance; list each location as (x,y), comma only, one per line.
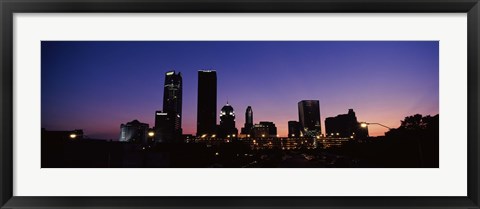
(96,86)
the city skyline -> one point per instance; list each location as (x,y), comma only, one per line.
(399,78)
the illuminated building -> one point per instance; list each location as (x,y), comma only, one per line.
(264,143)
(172,100)
(264,129)
(248,121)
(309,117)
(227,122)
(134,131)
(293,129)
(329,142)
(260,131)
(207,102)
(164,127)
(345,125)
(297,143)
(272,129)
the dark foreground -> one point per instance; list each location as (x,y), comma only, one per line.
(375,153)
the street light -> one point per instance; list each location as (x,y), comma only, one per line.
(365,125)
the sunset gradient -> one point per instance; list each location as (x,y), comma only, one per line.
(98,85)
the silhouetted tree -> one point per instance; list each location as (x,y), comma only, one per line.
(418,122)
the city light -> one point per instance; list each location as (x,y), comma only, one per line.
(252,136)
(363,125)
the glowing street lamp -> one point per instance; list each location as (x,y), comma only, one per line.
(365,125)
(151,134)
(73,136)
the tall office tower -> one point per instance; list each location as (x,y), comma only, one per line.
(248,121)
(309,117)
(227,122)
(164,127)
(293,129)
(172,99)
(207,102)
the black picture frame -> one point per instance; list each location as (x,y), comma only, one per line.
(9,7)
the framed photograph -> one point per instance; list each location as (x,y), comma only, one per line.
(237,104)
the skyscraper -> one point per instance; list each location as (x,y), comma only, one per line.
(309,117)
(227,122)
(207,102)
(248,121)
(293,129)
(172,99)
(164,127)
